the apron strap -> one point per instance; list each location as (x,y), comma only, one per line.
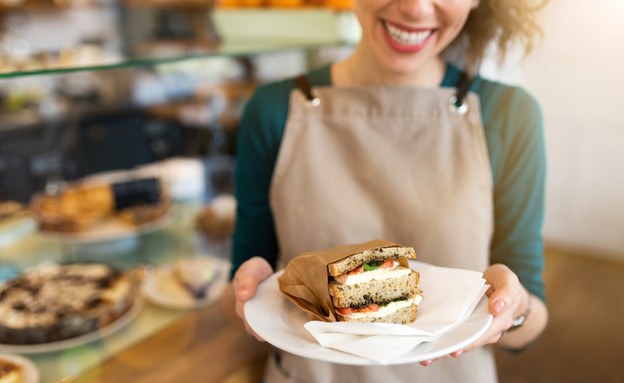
(456,102)
(303,83)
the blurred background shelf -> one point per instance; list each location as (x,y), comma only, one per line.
(152,33)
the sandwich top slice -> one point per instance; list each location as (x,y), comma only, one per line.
(369,256)
(373,286)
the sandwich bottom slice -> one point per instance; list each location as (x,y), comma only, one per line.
(399,312)
(393,298)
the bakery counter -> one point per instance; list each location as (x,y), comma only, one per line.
(75,360)
(201,347)
(152,339)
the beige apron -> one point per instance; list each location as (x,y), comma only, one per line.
(397,163)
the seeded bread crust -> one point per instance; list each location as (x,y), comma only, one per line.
(378,254)
(361,294)
(403,316)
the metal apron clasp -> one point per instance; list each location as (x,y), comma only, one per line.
(460,109)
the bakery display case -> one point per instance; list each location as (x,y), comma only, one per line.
(151,32)
(117,148)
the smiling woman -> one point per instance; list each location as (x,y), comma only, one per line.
(401,40)
(392,30)
(415,151)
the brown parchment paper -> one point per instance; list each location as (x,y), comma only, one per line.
(305,278)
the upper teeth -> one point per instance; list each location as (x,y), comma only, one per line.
(404,37)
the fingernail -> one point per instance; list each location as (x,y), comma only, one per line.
(499,305)
(457,354)
(427,362)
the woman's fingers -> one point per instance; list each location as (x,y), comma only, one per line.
(248,276)
(504,295)
(427,362)
(504,288)
(245,285)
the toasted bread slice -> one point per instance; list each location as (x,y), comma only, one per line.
(404,315)
(371,255)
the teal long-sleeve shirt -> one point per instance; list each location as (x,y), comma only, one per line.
(512,122)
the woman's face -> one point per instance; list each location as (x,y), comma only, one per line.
(403,36)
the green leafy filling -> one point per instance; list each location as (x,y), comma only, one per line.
(394,300)
(372,265)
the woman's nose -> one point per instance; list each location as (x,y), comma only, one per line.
(416,8)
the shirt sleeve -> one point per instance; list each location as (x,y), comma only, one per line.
(519,189)
(259,137)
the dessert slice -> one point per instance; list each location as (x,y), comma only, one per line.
(195,275)
(10,372)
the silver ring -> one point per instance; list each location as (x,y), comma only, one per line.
(453,107)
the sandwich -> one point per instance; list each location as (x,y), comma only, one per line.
(375,286)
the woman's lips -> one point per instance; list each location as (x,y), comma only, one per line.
(405,40)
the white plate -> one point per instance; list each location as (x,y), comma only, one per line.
(30,371)
(164,290)
(278,321)
(112,230)
(76,341)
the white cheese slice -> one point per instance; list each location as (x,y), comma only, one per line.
(378,275)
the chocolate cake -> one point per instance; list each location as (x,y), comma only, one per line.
(53,302)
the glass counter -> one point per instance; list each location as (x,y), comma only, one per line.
(178,239)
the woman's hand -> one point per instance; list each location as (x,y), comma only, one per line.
(508,299)
(245,284)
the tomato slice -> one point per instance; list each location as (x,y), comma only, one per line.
(357,270)
(343,277)
(388,264)
(371,308)
(352,310)
(345,311)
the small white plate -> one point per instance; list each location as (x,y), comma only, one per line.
(30,371)
(76,341)
(164,290)
(278,321)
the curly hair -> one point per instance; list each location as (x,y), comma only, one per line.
(501,22)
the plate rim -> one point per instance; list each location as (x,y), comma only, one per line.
(309,349)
